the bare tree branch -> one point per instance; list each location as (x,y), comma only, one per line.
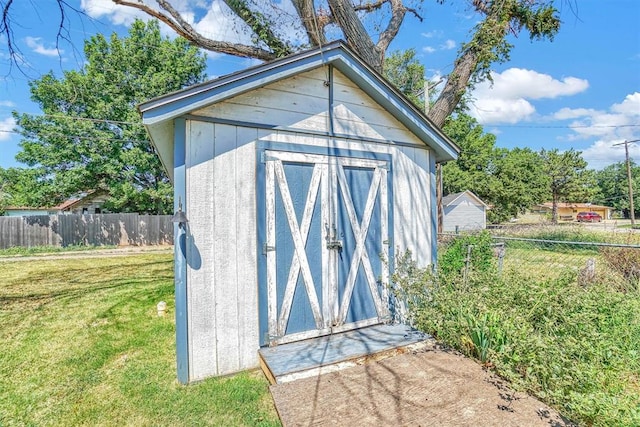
(397,16)
(175,21)
(357,37)
(14,53)
(313,25)
(370,7)
(5,28)
(257,23)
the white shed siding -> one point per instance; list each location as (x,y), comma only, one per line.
(412,204)
(221,272)
(302,103)
(463,215)
(201,298)
(355,113)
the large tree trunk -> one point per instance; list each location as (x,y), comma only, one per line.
(357,38)
(313,24)
(455,87)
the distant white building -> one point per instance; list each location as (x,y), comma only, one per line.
(87,203)
(463,211)
(28,211)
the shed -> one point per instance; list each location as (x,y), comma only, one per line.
(300,179)
(463,211)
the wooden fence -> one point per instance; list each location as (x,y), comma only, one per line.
(127,229)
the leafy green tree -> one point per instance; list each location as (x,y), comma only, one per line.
(614,187)
(522,183)
(567,177)
(474,169)
(90,136)
(407,74)
(511,181)
(20,187)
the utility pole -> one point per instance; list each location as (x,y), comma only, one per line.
(629,179)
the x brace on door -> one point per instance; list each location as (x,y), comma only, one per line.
(327,177)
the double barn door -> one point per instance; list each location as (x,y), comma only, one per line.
(326,248)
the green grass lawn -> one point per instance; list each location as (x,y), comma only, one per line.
(82,344)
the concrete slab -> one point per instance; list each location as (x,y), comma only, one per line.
(315,356)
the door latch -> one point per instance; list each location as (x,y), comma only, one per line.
(334,244)
(332,238)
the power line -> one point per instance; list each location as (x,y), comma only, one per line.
(120,122)
(89,119)
(562,126)
(84,137)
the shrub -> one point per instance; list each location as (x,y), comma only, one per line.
(625,261)
(474,250)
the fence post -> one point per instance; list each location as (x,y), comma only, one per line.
(467,263)
(500,253)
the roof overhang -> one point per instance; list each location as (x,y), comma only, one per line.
(158,113)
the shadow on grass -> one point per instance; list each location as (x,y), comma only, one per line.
(78,288)
(44,298)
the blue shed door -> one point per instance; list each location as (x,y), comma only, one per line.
(326,243)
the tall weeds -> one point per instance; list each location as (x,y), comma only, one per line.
(577,348)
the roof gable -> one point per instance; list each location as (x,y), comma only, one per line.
(451,199)
(158,114)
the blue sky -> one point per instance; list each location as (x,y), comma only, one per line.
(581,91)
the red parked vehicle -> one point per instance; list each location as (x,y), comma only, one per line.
(588,217)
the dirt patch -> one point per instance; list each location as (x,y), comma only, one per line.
(430,387)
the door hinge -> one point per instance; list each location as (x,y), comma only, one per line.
(267,248)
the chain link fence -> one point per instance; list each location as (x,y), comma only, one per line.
(616,264)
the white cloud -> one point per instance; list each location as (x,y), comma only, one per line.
(520,83)
(448,45)
(608,127)
(118,15)
(630,105)
(572,113)
(619,121)
(6,128)
(602,153)
(496,110)
(507,99)
(35,44)
(430,34)
(9,104)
